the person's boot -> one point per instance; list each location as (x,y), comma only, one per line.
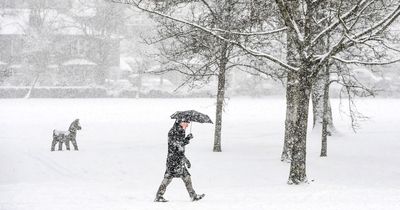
(198,197)
(160,199)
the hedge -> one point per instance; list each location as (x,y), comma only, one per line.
(89,92)
(54,92)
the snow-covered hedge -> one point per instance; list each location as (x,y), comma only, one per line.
(54,92)
(80,92)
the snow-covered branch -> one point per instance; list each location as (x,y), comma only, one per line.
(210,9)
(335,24)
(285,12)
(381,25)
(262,33)
(364,62)
(138,4)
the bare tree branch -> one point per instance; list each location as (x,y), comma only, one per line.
(364,62)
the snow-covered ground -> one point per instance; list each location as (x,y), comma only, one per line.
(123,147)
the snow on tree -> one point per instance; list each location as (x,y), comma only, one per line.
(198,54)
(354,28)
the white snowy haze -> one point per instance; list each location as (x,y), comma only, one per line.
(75,48)
(296,126)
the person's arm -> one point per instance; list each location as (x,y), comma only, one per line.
(187,162)
(176,141)
(187,139)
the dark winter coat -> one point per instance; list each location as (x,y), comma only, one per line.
(176,160)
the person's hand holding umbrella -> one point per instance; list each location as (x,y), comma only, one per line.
(189,136)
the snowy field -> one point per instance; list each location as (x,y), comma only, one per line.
(123,146)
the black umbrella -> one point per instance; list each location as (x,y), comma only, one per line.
(192,115)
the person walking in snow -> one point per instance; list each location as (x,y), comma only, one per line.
(177,161)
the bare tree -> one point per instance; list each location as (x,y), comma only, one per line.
(39,39)
(198,54)
(103,26)
(351,27)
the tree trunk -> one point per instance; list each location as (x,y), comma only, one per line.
(220,98)
(298,164)
(327,114)
(319,87)
(290,116)
(318,103)
(291,92)
(139,85)
(28,95)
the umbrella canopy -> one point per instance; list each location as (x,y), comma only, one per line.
(192,115)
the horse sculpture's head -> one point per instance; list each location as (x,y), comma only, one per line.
(75,126)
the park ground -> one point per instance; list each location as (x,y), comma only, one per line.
(123,146)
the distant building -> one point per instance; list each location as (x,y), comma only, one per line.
(48,39)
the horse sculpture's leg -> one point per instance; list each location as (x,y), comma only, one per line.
(74,143)
(53,144)
(67,144)
(60,145)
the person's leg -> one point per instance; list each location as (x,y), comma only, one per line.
(188,183)
(163,187)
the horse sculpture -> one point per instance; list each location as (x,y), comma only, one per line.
(61,137)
